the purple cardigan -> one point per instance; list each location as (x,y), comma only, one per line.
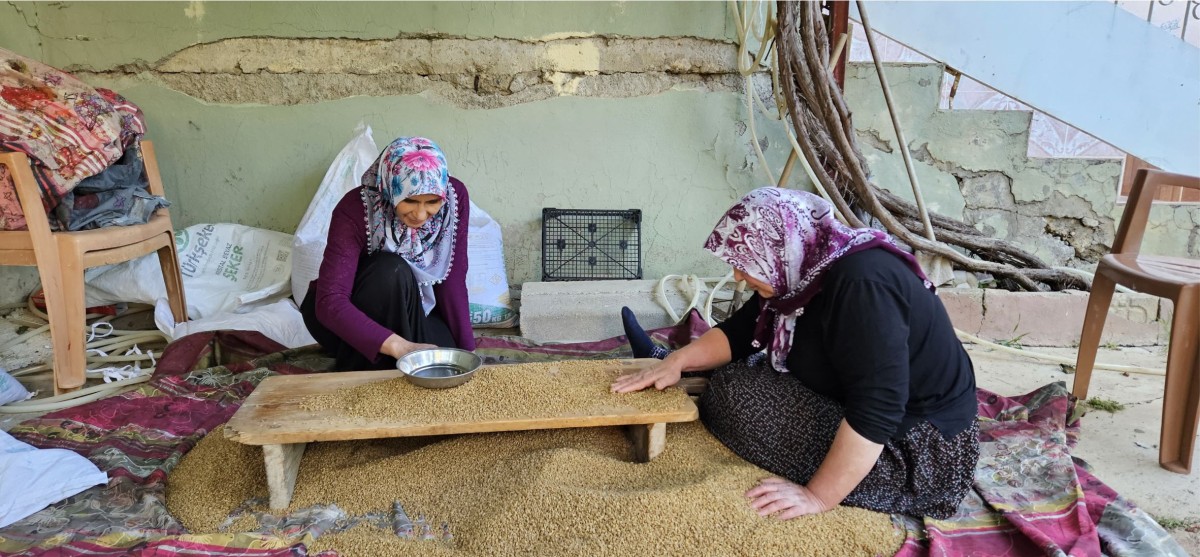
(348,243)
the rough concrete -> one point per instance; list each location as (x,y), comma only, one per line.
(1056,318)
(591,310)
(500,66)
(467,73)
(468,91)
(1121,447)
(453,55)
(973,165)
(16,283)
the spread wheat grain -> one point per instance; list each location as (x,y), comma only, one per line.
(551,492)
(497,392)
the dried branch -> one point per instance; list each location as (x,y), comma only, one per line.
(824,132)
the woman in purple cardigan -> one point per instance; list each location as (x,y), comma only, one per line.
(394,275)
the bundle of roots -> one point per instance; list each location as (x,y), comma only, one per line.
(826,138)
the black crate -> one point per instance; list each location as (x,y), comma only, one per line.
(588,244)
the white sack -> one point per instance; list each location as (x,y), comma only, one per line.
(11,390)
(345,174)
(280,322)
(487,280)
(225,267)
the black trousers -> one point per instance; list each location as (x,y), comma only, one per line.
(386,291)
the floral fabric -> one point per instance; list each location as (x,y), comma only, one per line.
(69,130)
(407,167)
(788,239)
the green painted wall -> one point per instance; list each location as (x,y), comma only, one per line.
(681,153)
(106,34)
(18,35)
(18,29)
(682,156)
(676,156)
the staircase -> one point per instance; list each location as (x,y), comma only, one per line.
(1093,65)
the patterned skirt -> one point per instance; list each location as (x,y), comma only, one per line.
(772,420)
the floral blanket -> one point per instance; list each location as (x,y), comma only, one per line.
(1030,498)
(69,130)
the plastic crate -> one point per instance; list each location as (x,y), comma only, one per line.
(591,244)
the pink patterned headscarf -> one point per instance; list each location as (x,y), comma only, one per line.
(411,166)
(788,239)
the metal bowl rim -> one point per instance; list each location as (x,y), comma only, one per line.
(466,373)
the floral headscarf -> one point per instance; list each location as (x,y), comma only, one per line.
(412,166)
(788,239)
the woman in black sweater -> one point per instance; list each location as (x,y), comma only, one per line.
(866,399)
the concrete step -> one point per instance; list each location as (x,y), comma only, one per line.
(590,310)
(579,311)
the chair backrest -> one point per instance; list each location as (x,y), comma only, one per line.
(152,176)
(1137,207)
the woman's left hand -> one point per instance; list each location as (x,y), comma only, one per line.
(784,499)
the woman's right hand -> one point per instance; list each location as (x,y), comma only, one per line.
(661,376)
(397,346)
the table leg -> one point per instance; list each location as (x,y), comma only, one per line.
(648,440)
(283,462)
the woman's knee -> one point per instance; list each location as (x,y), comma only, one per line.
(387,267)
(383,274)
(382,281)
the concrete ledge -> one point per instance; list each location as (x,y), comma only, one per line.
(1052,318)
(590,310)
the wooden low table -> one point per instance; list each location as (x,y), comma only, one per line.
(272,416)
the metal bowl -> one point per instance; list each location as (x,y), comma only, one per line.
(439,368)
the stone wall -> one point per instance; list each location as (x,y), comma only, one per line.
(973,165)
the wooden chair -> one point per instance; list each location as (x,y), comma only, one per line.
(1166,277)
(61,258)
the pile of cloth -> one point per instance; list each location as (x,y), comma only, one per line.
(83,144)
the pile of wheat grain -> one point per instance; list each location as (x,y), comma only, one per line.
(551,492)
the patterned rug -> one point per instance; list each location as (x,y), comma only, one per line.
(1031,496)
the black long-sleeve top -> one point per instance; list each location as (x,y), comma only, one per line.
(875,340)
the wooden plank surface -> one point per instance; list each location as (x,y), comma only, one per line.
(273,414)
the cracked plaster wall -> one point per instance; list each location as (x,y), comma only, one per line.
(18,24)
(573,105)
(608,105)
(973,165)
(17,33)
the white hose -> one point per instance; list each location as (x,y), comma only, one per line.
(744,27)
(693,287)
(754,131)
(103,341)
(73,398)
